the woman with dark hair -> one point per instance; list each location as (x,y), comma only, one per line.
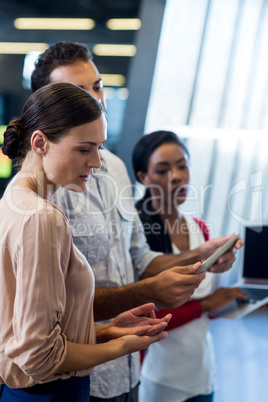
(182,367)
(47,333)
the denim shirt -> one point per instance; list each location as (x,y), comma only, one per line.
(106,228)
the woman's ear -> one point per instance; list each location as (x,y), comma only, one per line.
(39,142)
(142,177)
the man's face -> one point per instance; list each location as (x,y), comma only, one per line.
(82,73)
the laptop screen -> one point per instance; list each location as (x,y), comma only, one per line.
(256,253)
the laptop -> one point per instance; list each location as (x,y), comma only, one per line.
(252,275)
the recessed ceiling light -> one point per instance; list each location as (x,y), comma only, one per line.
(114,50)
(113,80)
(123,93)
(55,23)
(125,24)
(21,47)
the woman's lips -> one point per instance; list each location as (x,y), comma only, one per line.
(179,192)
(85,178)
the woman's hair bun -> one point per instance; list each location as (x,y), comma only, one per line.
(11,146)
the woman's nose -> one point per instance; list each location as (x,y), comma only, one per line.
(96,162)
(175,175)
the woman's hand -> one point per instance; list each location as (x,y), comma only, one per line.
(133,343)
(129,332)
(221,298)
(137,321)
(224,262)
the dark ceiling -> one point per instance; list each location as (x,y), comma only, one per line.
(100,10)
(97,9)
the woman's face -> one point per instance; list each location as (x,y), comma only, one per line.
(168,174)
(70,162)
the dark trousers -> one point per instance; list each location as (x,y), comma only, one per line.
(74,389)
(131,396)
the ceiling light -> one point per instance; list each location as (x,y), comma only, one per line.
(21,47)
(55,23)
(123,93)
(125,24)
(113,80)
(114,50)
(109,93)
(112,93)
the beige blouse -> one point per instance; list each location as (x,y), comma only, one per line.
(46,290)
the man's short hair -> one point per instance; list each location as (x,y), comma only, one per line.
(60,54)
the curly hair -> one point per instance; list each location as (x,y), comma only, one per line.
(60,54)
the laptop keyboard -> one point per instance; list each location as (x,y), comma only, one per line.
(254,295)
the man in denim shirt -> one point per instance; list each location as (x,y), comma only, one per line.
(106,228)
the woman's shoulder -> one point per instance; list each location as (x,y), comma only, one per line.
(24,204)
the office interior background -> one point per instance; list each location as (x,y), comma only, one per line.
(198,68)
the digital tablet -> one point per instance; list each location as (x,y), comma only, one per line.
(213,258)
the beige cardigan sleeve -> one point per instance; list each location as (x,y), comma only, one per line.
(38,345)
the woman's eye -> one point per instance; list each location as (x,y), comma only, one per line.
(183,167)
(84,151)
(162,172)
